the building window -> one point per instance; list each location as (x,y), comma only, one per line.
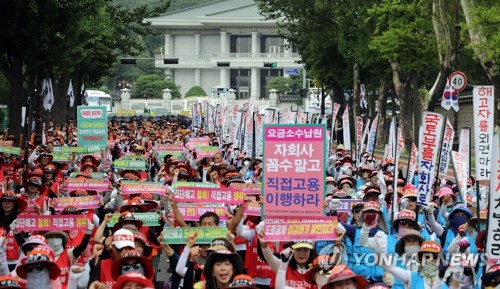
(240,81)
(241,44)
(267,75)
(272,44)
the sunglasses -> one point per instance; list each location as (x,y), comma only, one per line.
(412,199)
(407,222)
(39,266)
(131,267)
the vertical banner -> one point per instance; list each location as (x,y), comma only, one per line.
(492,243)
(372,137)
(346,130)
(428,145)
(92,126)
(294,170)
(401,143)
(392,140)
(359,134)
(464,144)
(365,135)
(446,146)
(249,134)
(412,164)
(335,111)
(483,99)
(459,163)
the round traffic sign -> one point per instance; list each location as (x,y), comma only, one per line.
(458,80)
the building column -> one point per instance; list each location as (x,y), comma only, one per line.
(223,42)
(168,38)
(197,37)
(255,48)
(197,77)
(255,82)
(224,72)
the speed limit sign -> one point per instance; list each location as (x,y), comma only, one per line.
(458,80)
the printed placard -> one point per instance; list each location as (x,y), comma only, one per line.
(10,150)
(346,205)
(130,187)
(464,144)
(81,203)
(192,144)
(347,132)
(206,151)
(98,185)
(492,244)
(483,100)
(209,195)
(193,213)
(429,139)
(130,164)
(148,219)
(253,209)
(296,231)
(372,137)
(52,222)
(249,189)
(460,168)
(195,184)
(412,164)
(92,126)
(60,157)
(6,143)
(446,146)
(78,150)
(205,234)
(294,170)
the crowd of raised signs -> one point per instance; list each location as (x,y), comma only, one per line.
(101,218)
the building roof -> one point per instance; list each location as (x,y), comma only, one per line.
(216,13)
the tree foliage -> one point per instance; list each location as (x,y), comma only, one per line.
(196,91)
(151,86)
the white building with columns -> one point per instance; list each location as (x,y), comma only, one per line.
(223,43)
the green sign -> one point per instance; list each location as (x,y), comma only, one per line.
(10,150)
(195,184)
(77,150)
(148,219)
(162,154)
(205,234)
(96,175)
(92,126)
(130,164)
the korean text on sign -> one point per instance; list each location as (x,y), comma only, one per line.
(294,170)
(483,99)
(209,195)
(52,222)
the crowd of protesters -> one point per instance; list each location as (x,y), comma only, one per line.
(127,255)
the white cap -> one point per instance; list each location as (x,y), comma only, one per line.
(123,238)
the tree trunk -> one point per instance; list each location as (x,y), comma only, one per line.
(338,93)
(477,38)
(382,110)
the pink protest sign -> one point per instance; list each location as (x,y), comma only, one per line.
(98,185)
(209,195)
(52,222)
(206,151)
(82,203)
(192,144)
(169,147)
(294,170)
(253,209)
(193,213)
(321,230)
(111,143)
(249,189)
(129,187)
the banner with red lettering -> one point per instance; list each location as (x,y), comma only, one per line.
(359,134)
(249,189)
(294,170)
(82,203)
(346,130)
(301,230)
(209,195)
(493,235)
(459,164)
(428,145)
(412,164)
(193,213)
(446,146)
(464,144)
(483,99)
(52,222)
(99,185)
(131,187)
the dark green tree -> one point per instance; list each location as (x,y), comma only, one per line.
(151,86)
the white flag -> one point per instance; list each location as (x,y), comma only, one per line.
(48,94)
(71,95)
(363,98)
(449,97)
(346,130)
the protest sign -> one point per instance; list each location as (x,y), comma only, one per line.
(194,184)
(294,173)
(205,234)
(295,231)
(335,111)
(92,126)
(87,184)
(464,145)
(206,151)
(346,205)
(192,144)
(60,157)
(130,164)
(193,213)
(429,139)
(209,195)
(6,143)
(347,132)
(483,100)
(148,219)
(446,145)
(77,150)
(130,187)
(459,163)
(249,189)
(52,222)
(372,136)
(359,135)
(412,164)
(10,150)
(253,209)
(493,235)
(81,203)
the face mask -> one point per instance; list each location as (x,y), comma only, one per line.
(348,172)
(402,230)
(55,243)
(412,249)
(246,163)
(430,270)
(38,279)
(456,222)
